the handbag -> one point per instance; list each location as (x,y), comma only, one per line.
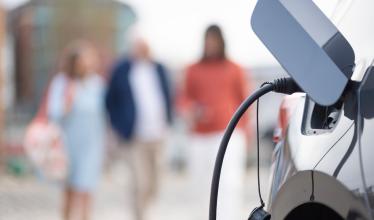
(44,146)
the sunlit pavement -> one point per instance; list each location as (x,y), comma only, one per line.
(28,198)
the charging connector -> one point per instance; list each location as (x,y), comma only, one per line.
(282,85)
(285,86)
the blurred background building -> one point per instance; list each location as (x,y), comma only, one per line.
(40,29)
(31,40)
(2,107)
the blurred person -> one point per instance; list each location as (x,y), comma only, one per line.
(76,103)
(139,105)
(214,87)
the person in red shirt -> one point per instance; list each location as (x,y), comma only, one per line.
(214,88)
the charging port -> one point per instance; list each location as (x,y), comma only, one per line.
(320,119)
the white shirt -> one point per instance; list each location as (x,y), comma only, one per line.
(150,123)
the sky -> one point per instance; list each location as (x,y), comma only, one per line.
(175,28)
(180,24)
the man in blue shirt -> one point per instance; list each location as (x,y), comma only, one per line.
(139,106)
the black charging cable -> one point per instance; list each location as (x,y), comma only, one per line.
(282,85)
(258,154)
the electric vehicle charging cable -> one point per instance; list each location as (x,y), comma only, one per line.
(282,85)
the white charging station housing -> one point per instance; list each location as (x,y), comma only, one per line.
(307,45)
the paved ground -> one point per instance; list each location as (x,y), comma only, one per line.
(23,198)
(28,198)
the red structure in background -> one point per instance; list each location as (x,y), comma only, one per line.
(2,110)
